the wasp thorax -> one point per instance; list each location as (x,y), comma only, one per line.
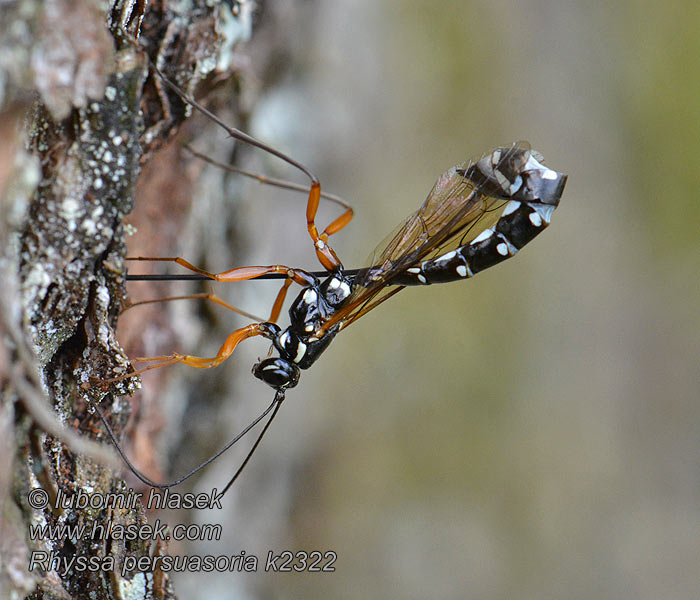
(335,290)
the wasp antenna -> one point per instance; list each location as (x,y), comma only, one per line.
(273,181)
(141,477)
(232,131)
(277,402)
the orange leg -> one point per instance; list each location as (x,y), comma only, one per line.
(239,273)
(198,362)
(274,314)
(244,274)
(204,296)
(279,301)
(326,255)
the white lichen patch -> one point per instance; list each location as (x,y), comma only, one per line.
(89,227)
(103,335)
(36,282)
(102,297)
(70,211)
(70,208)
(50,328)
(136,587)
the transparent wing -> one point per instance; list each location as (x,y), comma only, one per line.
(452,196)
(463,202)
(460,206)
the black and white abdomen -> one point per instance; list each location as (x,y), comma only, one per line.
(533,191)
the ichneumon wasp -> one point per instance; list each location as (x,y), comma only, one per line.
(477,215)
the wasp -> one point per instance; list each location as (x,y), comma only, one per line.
(478,214)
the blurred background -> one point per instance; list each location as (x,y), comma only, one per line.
(530,433)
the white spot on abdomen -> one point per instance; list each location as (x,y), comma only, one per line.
(535,219)
(484,235)
(533,165)
(446,257)
(515,186)
(510,208)
(545,211)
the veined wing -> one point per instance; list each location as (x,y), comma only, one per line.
(465,200)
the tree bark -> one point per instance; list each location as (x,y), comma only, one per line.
(82,118)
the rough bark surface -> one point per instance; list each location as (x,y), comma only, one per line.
(81,119)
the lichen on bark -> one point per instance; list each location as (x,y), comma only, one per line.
(82,116)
